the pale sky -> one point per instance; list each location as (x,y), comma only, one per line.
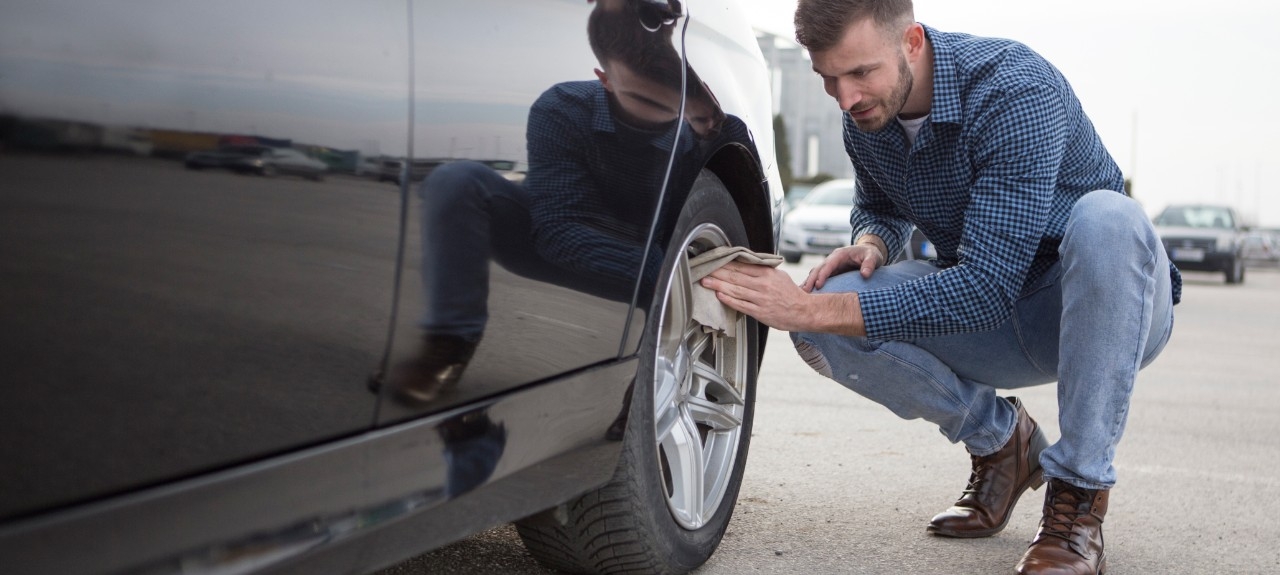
(1180,91)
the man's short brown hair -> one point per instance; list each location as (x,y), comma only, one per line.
(821,23)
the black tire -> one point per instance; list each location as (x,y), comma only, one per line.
(792,257)
(1235,270)
(629,526)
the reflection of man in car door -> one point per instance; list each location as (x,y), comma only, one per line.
(597,157)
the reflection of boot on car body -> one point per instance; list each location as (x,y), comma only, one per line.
(436,369)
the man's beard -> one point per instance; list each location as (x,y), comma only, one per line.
(895,102)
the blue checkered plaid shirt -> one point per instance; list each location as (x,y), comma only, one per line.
(991,178)
(593,182)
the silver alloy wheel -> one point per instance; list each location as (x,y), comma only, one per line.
(698,395)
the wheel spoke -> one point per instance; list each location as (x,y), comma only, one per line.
(710,381)
(680,305)
(683,448)
(714,415)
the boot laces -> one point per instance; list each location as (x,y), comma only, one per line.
(1064,511)
(978,476)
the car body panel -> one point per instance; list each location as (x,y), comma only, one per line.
(163,322)
(271,513)
(192,352)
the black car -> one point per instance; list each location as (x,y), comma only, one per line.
(212,374)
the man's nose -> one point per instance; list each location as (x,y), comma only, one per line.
(848,94)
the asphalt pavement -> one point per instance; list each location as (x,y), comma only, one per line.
(838,485)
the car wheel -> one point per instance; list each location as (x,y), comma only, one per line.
(1235,270)
(268,171)
(792,257)
(687,432)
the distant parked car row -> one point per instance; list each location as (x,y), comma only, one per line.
(1262,249)
(261,160)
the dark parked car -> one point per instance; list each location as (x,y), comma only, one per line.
(255,375)
(1207,238)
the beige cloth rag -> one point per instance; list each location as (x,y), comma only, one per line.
(707,310)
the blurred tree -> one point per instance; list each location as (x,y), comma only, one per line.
(783,151)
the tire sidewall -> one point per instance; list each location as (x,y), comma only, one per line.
(709,202)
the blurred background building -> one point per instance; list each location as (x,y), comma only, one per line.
(810,118)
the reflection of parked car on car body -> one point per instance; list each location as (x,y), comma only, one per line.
(200,370)
(281,162)
(261,160)
(1200,237)
(224,157)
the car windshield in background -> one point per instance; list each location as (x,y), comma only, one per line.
(1196,217)
(830,196)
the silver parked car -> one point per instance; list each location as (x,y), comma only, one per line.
(282,162)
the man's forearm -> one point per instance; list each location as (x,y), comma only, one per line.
(838,313)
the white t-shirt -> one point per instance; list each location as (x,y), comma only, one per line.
(912,127)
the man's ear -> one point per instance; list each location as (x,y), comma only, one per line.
(913,40)
(604,79)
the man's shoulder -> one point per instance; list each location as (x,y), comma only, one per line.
(580,95)
(579,105)
(984,63)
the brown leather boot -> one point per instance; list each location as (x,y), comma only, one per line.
(436,369)
(996,483)
(1070,538)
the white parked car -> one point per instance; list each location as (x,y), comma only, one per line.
(819,223)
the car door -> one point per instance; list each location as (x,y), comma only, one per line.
(163,321)
(527,233)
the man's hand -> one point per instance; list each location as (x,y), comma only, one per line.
(865,256)
(769,295)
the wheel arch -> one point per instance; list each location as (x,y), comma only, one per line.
(741,174)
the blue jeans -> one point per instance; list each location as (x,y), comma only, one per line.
(473,217)
(1090,323)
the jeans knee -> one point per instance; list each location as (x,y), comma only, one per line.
(452,179)
(812,355)
(1108,220)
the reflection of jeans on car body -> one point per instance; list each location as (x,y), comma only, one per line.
(472,215)
(1090,323)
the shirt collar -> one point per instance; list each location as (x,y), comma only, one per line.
(946,85)
(602,121)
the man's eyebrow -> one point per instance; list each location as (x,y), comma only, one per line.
(855,70)
(650,101)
